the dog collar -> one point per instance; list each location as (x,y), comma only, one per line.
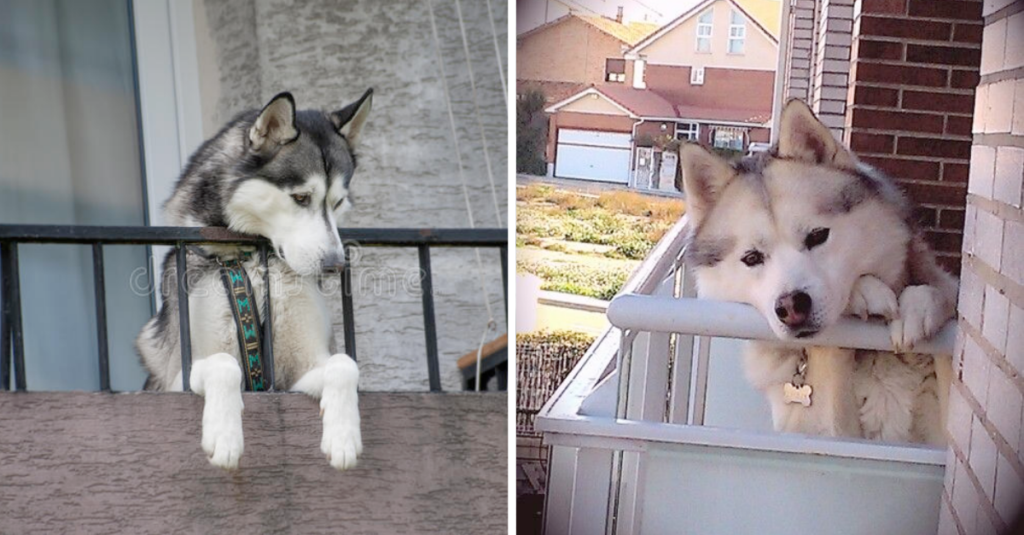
(797,390)
(247,321)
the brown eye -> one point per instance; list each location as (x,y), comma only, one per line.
(753,258)
(815,238)
(301,199)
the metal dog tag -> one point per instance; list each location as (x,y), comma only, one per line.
(795,394)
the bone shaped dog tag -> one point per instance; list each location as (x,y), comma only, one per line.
(794,394)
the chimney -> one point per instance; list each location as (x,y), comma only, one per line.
(618,15)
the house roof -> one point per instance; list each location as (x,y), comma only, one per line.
(629,32)
(764,14)
(648,104)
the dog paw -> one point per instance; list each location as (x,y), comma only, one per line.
(920,315)
(342,442)
(224,444)
(872,297)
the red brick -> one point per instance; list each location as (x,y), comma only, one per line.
(896,120)
(946,9)
(937,101)
(964,79)
(897,27)
(861,142)
(869,49)
(967,33)
(890,7)
(943,195)
(958,126)
(955,172)
(952,219)
(925,217)
(907,169)
(948,242)
(944,55)
(935,148)
(876,96)
(899,74)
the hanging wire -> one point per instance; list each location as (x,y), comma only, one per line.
(458,153)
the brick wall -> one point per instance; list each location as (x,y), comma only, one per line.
(833,40)
(570,51)
(800,50)
(984,486)
(911,99)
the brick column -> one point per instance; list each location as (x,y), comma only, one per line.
(910,102)
(984,488)
(829,87)
(800,49)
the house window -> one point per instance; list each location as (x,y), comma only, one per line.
(615,70)
(737,33)
(704,31)
(728,138)
(687,131)
(697,76)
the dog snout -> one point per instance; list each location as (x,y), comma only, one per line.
(333,260)
(793,308)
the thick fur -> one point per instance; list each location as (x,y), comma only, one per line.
(284,175)
(763,211)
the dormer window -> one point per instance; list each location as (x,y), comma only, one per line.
(615,70)
(737,32)
(704,31)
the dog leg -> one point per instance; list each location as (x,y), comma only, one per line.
(334,381)
(218,378)
(872,297)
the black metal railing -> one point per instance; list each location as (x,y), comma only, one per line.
(11,332)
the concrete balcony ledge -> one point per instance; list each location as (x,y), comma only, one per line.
(132,463)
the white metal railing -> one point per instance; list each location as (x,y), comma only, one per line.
(644,381)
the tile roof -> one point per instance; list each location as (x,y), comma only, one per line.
(628,32)
(767,13)
(649,104)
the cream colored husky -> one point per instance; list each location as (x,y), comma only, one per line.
(806,233)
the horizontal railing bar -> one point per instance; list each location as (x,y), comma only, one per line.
(735,320)
(112,235)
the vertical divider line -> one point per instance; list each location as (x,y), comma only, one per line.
(429,321)
(100,290)
(348,314)
(268,321)
(183,316)
(504,278)
(14,316)
(5,317)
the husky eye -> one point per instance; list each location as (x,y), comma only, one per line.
(301,199)
(753,258)
(816,237)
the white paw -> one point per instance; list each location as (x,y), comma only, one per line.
(223,442)
(920,316)
(342,442)
(872,297)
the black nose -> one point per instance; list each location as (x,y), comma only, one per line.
(333,260)
(793,308)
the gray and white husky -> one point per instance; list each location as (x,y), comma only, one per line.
(805,234)
(284,175)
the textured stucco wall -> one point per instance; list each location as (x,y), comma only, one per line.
(327,53)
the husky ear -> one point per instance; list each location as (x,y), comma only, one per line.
(803,137)
(705,175)
(349,120)
(275,124)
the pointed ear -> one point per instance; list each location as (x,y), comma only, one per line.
(705,175)
(803,137)
(349,120)
(275,124)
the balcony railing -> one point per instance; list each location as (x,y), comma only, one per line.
(11,330)
(633,449)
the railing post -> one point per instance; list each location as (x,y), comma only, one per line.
(429,325)
(268,321)
(5,319)
(13,337)
(183,321)
(100,289)
(348,314)
(504,278)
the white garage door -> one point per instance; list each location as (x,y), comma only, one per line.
(593,155)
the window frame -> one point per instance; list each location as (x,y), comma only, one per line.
(705,25)
(614,77)
(737,33)
(691,129)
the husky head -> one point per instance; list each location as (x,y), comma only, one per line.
(790,231)
(278,173)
